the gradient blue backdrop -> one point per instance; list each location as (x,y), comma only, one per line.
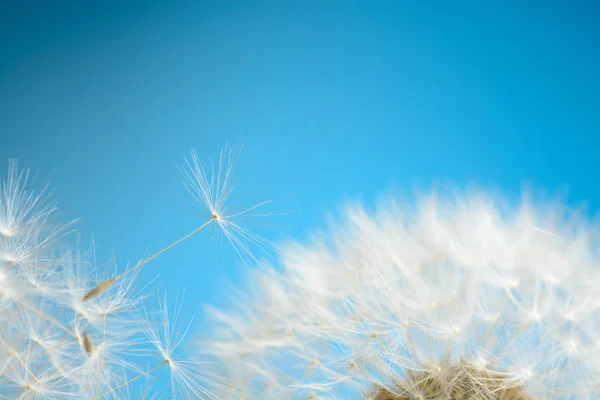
(333,99)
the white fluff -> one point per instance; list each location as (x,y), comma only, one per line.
(54,345)
(462,278)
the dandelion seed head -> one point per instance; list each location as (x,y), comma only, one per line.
(460,296)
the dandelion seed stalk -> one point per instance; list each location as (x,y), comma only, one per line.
(14,354)
(103,354)
(147,372)
(46,317)
(3,374)
(103,286)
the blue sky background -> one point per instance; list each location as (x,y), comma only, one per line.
(332,99)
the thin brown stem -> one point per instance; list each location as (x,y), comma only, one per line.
(101,359)
(134,378)
(102,286)
(15,355)
(38,355)
(46,317)
(12,315)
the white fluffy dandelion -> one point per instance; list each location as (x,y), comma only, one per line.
(460,297)
(59,342)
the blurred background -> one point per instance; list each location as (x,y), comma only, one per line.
(333,100)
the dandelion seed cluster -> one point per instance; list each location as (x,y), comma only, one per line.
(456,297)
(70,329)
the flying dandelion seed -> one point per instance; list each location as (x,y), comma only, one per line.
(461,297)
(212,193)
(188,377)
